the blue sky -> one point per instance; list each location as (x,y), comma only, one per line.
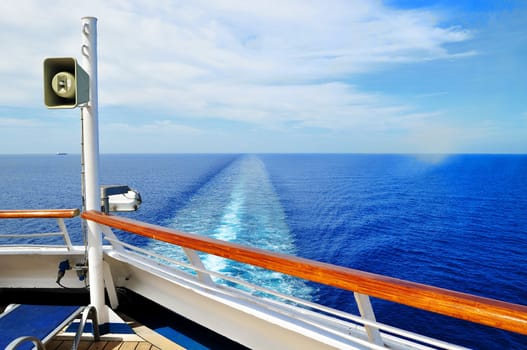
(275,76)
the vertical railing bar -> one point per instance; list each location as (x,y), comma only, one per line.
(366,312)
(110,286)
(195,261)
(107,231)
(65,233)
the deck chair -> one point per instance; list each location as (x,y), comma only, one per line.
(28,326)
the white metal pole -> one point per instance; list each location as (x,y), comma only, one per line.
(91,164)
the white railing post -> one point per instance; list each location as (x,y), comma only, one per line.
(65,233)
(90,129)
(194,260)
(366,312)
(115,242)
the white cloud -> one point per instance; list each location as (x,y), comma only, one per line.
(269,63)
(20,123)
(155,127)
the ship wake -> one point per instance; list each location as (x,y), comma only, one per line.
(240,205)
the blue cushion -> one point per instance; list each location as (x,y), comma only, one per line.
(35,320)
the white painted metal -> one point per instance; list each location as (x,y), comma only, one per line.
(36,267)
(366,311)
(63,233)
(129,201)
(239,314)
(194,259)
(116,243)
(257,329)
(247,314)
(90,136)
(110,286)
(326,326)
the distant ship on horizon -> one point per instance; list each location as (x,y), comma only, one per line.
(62,154)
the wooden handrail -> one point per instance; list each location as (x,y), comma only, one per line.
(39,214)
(490,312)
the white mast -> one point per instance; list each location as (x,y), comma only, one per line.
(90,151)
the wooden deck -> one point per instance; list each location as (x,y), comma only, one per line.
(144,339)
(101,345)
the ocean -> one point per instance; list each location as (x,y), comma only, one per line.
(452,221)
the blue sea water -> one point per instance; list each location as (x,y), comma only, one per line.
(457,222)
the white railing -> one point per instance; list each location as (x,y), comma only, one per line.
(58,214)
(361,330)
(468,307)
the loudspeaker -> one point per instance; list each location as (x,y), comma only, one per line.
(66,84)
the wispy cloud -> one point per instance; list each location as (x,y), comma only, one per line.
(273,64)
(20,123)
(158,53)
(155,127)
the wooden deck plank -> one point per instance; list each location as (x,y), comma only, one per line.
(157,340)
(101,345)
(53,344)
(112,345)
(97,345)
(65,345)
(129,345)
(84,344)
(144,346)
